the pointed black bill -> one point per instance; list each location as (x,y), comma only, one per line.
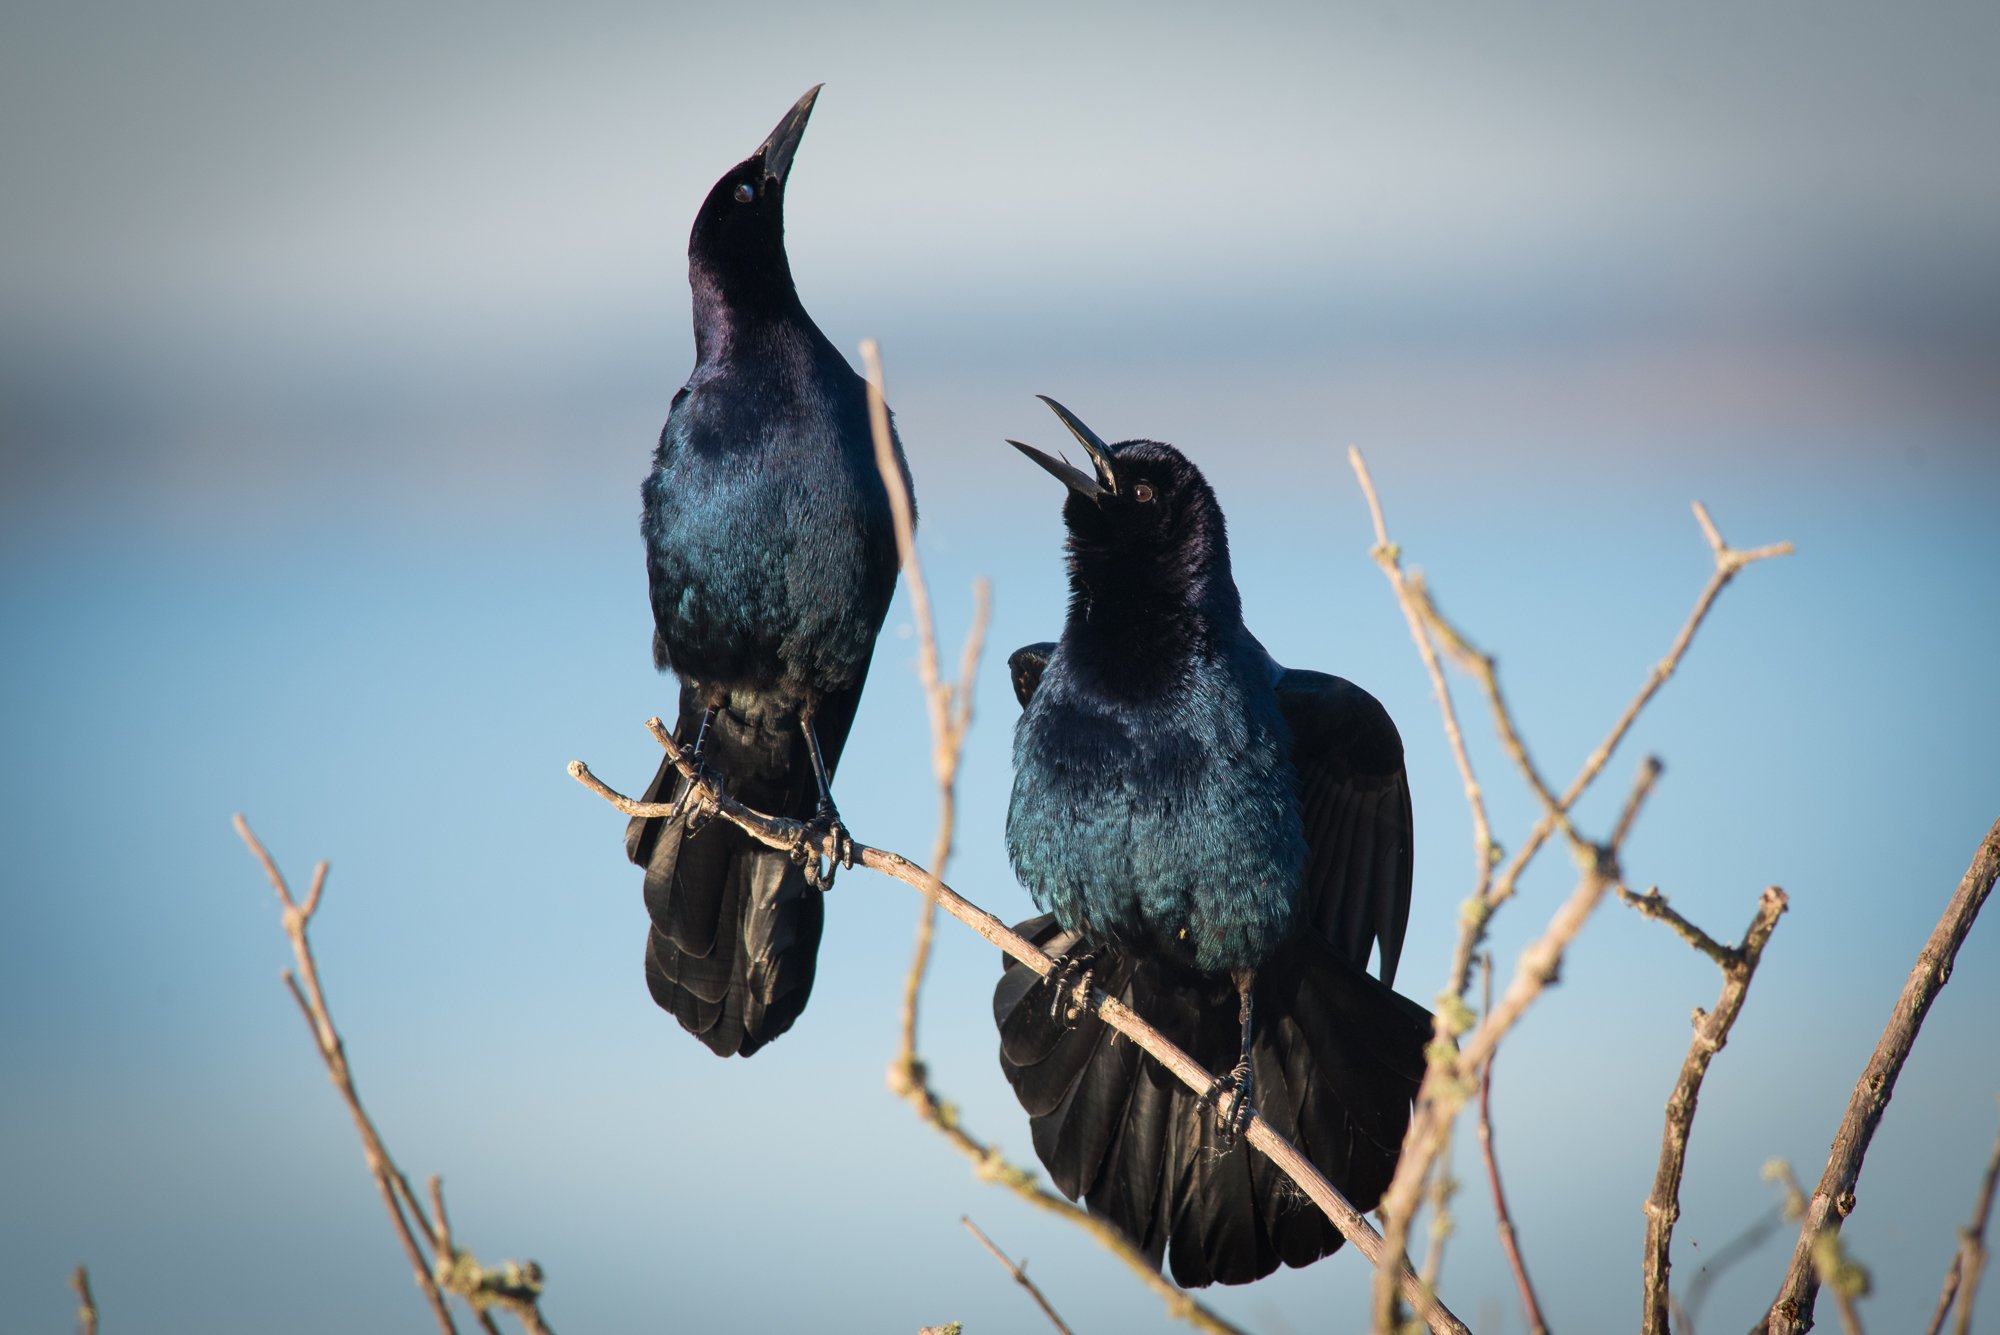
(777,150)
(1065,472)
(1100,453)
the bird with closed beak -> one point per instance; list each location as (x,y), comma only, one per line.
(770,559)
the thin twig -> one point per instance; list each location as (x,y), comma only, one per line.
(86,1306)
(1508,1241)
(1711,1032)
(1020,1274)
(950,709)
(776,832)
(1389,556)
(1719,1262)
(1452,1076)
(312,1001)
(1969,1259)
(1830,1262)
(515,1286)
(1833,1200)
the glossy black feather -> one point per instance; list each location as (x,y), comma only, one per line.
(770,563)
(1336,1056)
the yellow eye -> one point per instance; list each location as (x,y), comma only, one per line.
(1142,493)
(745,192)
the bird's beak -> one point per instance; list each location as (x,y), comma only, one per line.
(784,141)
(1067,473)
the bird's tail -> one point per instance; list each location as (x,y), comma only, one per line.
(1336,1059)
(736,929)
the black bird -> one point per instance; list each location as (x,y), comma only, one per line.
(1210,830)
(771,558)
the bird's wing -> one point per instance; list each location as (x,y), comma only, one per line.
(1025,666)
(1354,799)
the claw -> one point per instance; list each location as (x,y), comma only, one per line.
(701,813)
(1069,985)
(1239,1083)
(840,847)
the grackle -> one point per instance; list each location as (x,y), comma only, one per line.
(771,559)
(1221,842)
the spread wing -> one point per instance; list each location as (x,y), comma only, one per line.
(1354,801)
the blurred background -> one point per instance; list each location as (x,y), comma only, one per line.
(333,343)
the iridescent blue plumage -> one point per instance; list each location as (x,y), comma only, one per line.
(770,560)
(1221,843)
(1154,801)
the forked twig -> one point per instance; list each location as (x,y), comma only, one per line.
(776,832)
(1019,1272)
(1711,1032)
(311,999)
(516,1287)
(1452,1075)
(1968,1259)
(1791,1312)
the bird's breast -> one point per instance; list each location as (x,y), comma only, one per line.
(769,553)
(1167,827)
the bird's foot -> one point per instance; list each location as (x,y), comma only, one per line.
(699,810)
(1237,1083)
(839,848)
(1069,985)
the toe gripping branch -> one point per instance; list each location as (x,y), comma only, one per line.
(699,811)
(1069,985)
(839,848)
(1238,1082)
(826,820)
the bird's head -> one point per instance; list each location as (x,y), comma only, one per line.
(1142,522)
(738,239)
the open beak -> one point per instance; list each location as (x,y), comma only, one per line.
(1078,481)
(784,141)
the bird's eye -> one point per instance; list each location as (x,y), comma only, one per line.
(745,192)
(1142,493)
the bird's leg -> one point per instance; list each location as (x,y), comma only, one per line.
(826,817)
(1069,985)
(1238,1081)
(698,817)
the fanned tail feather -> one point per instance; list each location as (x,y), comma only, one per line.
(1336,1056)
(735,935)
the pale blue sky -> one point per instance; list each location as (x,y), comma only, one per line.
(334,345)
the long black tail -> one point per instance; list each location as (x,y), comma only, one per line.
(735,935)
(1336,1059)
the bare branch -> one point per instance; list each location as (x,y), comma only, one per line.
(1830,1262)
(780,833)
(1833,1200)
(86,1306)
(1389,556)
(1508,1242)
(1711,1032)
(515,1286)
(1969,1260)
(1019,1273)
(1654,905)
(1452,1076)
(312,1001)
(950,709)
